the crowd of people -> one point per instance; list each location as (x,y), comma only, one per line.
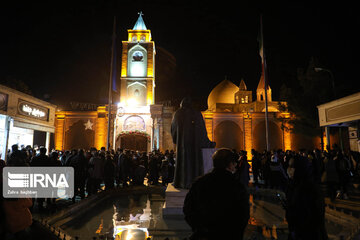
(335,169)
(298,174)
(93,167)
(94,170)
(98,170)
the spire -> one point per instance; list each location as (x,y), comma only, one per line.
(260,91)
(261,84)
(140,25)
(242,86)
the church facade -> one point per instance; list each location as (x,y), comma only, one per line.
(235,120)
(136,123)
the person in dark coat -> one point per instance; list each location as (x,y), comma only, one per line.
(144,160)
(242,169)
(125,167)
(70,156)
(343,166)
(217,205)
(54,159)
(109,172)
(41,160)
(80,164)
(330,176)
(164,170)
(188,132)
(305,206)
(139,172)
(16,158)
(278,177)
(255,165)
(154,165)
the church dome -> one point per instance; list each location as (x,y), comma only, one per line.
(224,92)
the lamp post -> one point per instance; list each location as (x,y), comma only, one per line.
(319,69)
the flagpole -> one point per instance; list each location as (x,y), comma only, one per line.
(266,85)
(110,84)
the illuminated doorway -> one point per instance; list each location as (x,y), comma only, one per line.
(133,142)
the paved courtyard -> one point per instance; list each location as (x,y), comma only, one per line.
(108,213)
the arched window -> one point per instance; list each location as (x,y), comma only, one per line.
(137,61)
(136,93)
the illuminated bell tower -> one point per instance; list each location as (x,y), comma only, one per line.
(138,67)
(134,125)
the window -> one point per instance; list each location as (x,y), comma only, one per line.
(136,93)
(246,99)
(242,100)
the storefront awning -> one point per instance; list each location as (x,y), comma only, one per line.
(343,110)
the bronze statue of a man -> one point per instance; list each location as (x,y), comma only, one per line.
(189,134)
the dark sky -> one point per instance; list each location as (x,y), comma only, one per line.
(63,49)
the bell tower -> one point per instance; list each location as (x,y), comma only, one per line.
(134,124)
(243,95)
(260,91)
(138,67)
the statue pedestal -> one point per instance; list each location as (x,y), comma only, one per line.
(174,200)
(207,158)
(174,197)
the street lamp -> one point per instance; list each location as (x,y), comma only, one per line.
(319,69)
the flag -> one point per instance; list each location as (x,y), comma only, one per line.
(263,80)
(260,40)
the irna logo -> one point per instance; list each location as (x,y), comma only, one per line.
(41,182)
(18,180)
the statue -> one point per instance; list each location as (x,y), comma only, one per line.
(189,134)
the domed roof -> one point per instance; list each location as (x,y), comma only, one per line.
(224,92)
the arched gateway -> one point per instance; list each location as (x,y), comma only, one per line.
(133,142)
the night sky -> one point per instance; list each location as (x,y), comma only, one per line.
(62,50)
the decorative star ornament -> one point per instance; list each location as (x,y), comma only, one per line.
(88,125)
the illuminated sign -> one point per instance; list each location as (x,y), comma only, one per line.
(32,110)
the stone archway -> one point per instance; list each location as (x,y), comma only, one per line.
(77,136)
(228,134)
(259,136)
(132,142)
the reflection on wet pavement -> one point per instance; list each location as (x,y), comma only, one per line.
(120,216)
(132,224)
(136,216)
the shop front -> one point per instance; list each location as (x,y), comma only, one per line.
(24,120)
